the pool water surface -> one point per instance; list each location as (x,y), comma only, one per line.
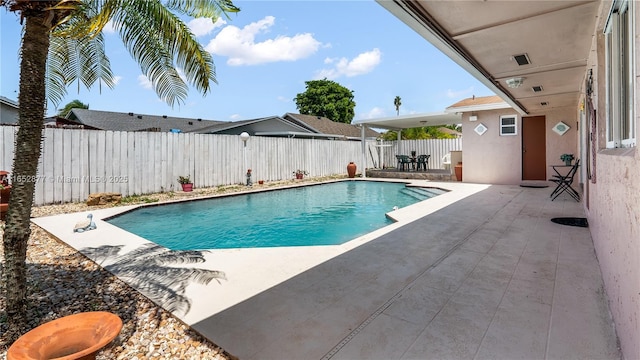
(327,214)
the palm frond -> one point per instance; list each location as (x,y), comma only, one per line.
(180,257)
(203,8)
(156,37)
(69,60)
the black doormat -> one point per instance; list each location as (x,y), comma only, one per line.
(536,186)
(571,221)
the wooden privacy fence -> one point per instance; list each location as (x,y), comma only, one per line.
(75,163)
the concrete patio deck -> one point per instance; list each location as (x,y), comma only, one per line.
(486,277)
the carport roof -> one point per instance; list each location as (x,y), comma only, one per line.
(412,121)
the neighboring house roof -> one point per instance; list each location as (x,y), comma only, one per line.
(450,131)
(64,123)
(115,121)
(251,126)
(478,104)
(8,111)
(8,102)
(323,125)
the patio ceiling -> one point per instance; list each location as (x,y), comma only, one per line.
(484,36)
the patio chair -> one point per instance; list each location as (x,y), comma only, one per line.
(423,162)
(404,162)
(446,161)
(563,183)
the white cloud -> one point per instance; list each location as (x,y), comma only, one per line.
(374,113)
(144,82)
(361,64)
(204,26)
(242,49)
(283,99)
(459,94)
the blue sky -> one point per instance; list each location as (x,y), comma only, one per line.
(266,52)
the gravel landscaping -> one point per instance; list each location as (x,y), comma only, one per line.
(62,282)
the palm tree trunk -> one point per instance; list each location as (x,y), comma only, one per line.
(35,45)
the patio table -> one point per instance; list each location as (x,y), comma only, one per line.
(563,179)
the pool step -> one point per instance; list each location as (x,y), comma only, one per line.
(422,193)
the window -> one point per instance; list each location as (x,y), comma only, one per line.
(508,125)
(620,123)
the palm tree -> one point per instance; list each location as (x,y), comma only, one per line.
(61,44)
(75,104)
(397,102)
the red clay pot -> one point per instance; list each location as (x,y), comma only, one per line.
(187,187)
(351,170)
(78,336)
(458,171)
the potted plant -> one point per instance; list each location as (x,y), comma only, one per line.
(186,183)
(300,174)
(567,158)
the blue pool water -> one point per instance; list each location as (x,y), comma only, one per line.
(327,214)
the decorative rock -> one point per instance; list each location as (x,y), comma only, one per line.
(103,199)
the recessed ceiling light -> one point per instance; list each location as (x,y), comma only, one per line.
(537,88)
(522,59)
(515,82)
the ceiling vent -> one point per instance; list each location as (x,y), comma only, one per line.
(537,88)
(522,59)
(544,103)
(190,122)
(164,116)
(139,116)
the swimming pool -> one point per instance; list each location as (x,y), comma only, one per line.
(327,214)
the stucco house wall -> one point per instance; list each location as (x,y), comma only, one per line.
(612,205)
(489,158)
(493,159)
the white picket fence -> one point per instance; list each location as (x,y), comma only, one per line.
(75,163)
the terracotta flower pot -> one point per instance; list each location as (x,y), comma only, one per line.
(187,187)
(78,336)
(458,171)
(5,195)
(299,176)
(351,170)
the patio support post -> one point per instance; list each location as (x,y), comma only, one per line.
(364,152)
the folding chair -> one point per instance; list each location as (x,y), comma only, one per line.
(563,183)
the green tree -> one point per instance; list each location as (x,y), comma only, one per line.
(75,104)
(426,132)
(397,102)
(326,98)
(61,44)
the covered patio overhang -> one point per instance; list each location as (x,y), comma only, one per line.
(397,123)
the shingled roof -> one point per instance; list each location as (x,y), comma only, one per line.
(478,103)
(323,125)
(115,121)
